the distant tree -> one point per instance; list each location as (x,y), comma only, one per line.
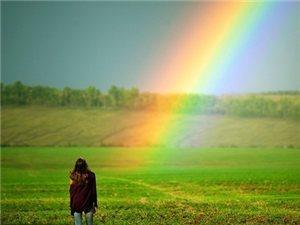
(274,104)
(115,96)
(92,97)
(130,97)
(17,93)
(77,98)
(42,95)
(66,96)
(3,93)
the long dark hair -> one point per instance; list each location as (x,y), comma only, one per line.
(80,172)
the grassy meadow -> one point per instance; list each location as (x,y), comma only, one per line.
(155,185)
(58,126)
(221,170)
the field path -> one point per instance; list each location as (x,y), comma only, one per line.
(173,195)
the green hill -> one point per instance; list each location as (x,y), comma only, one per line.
(58,126)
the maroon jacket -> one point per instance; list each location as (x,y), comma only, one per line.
(83,197)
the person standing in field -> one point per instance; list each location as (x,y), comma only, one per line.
(83,193)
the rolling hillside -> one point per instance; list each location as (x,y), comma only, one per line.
(56,126)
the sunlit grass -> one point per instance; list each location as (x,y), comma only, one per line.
(166,186)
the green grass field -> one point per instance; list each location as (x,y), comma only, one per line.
(155,186)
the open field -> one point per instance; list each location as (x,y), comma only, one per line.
(54,126)
(155,185)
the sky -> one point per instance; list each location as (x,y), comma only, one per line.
(79,44)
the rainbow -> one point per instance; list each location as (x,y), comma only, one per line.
(214,35)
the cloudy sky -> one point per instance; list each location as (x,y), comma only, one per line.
(78,44)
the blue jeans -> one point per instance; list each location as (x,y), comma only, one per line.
(88,218)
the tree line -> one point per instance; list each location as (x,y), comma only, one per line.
(282,104)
